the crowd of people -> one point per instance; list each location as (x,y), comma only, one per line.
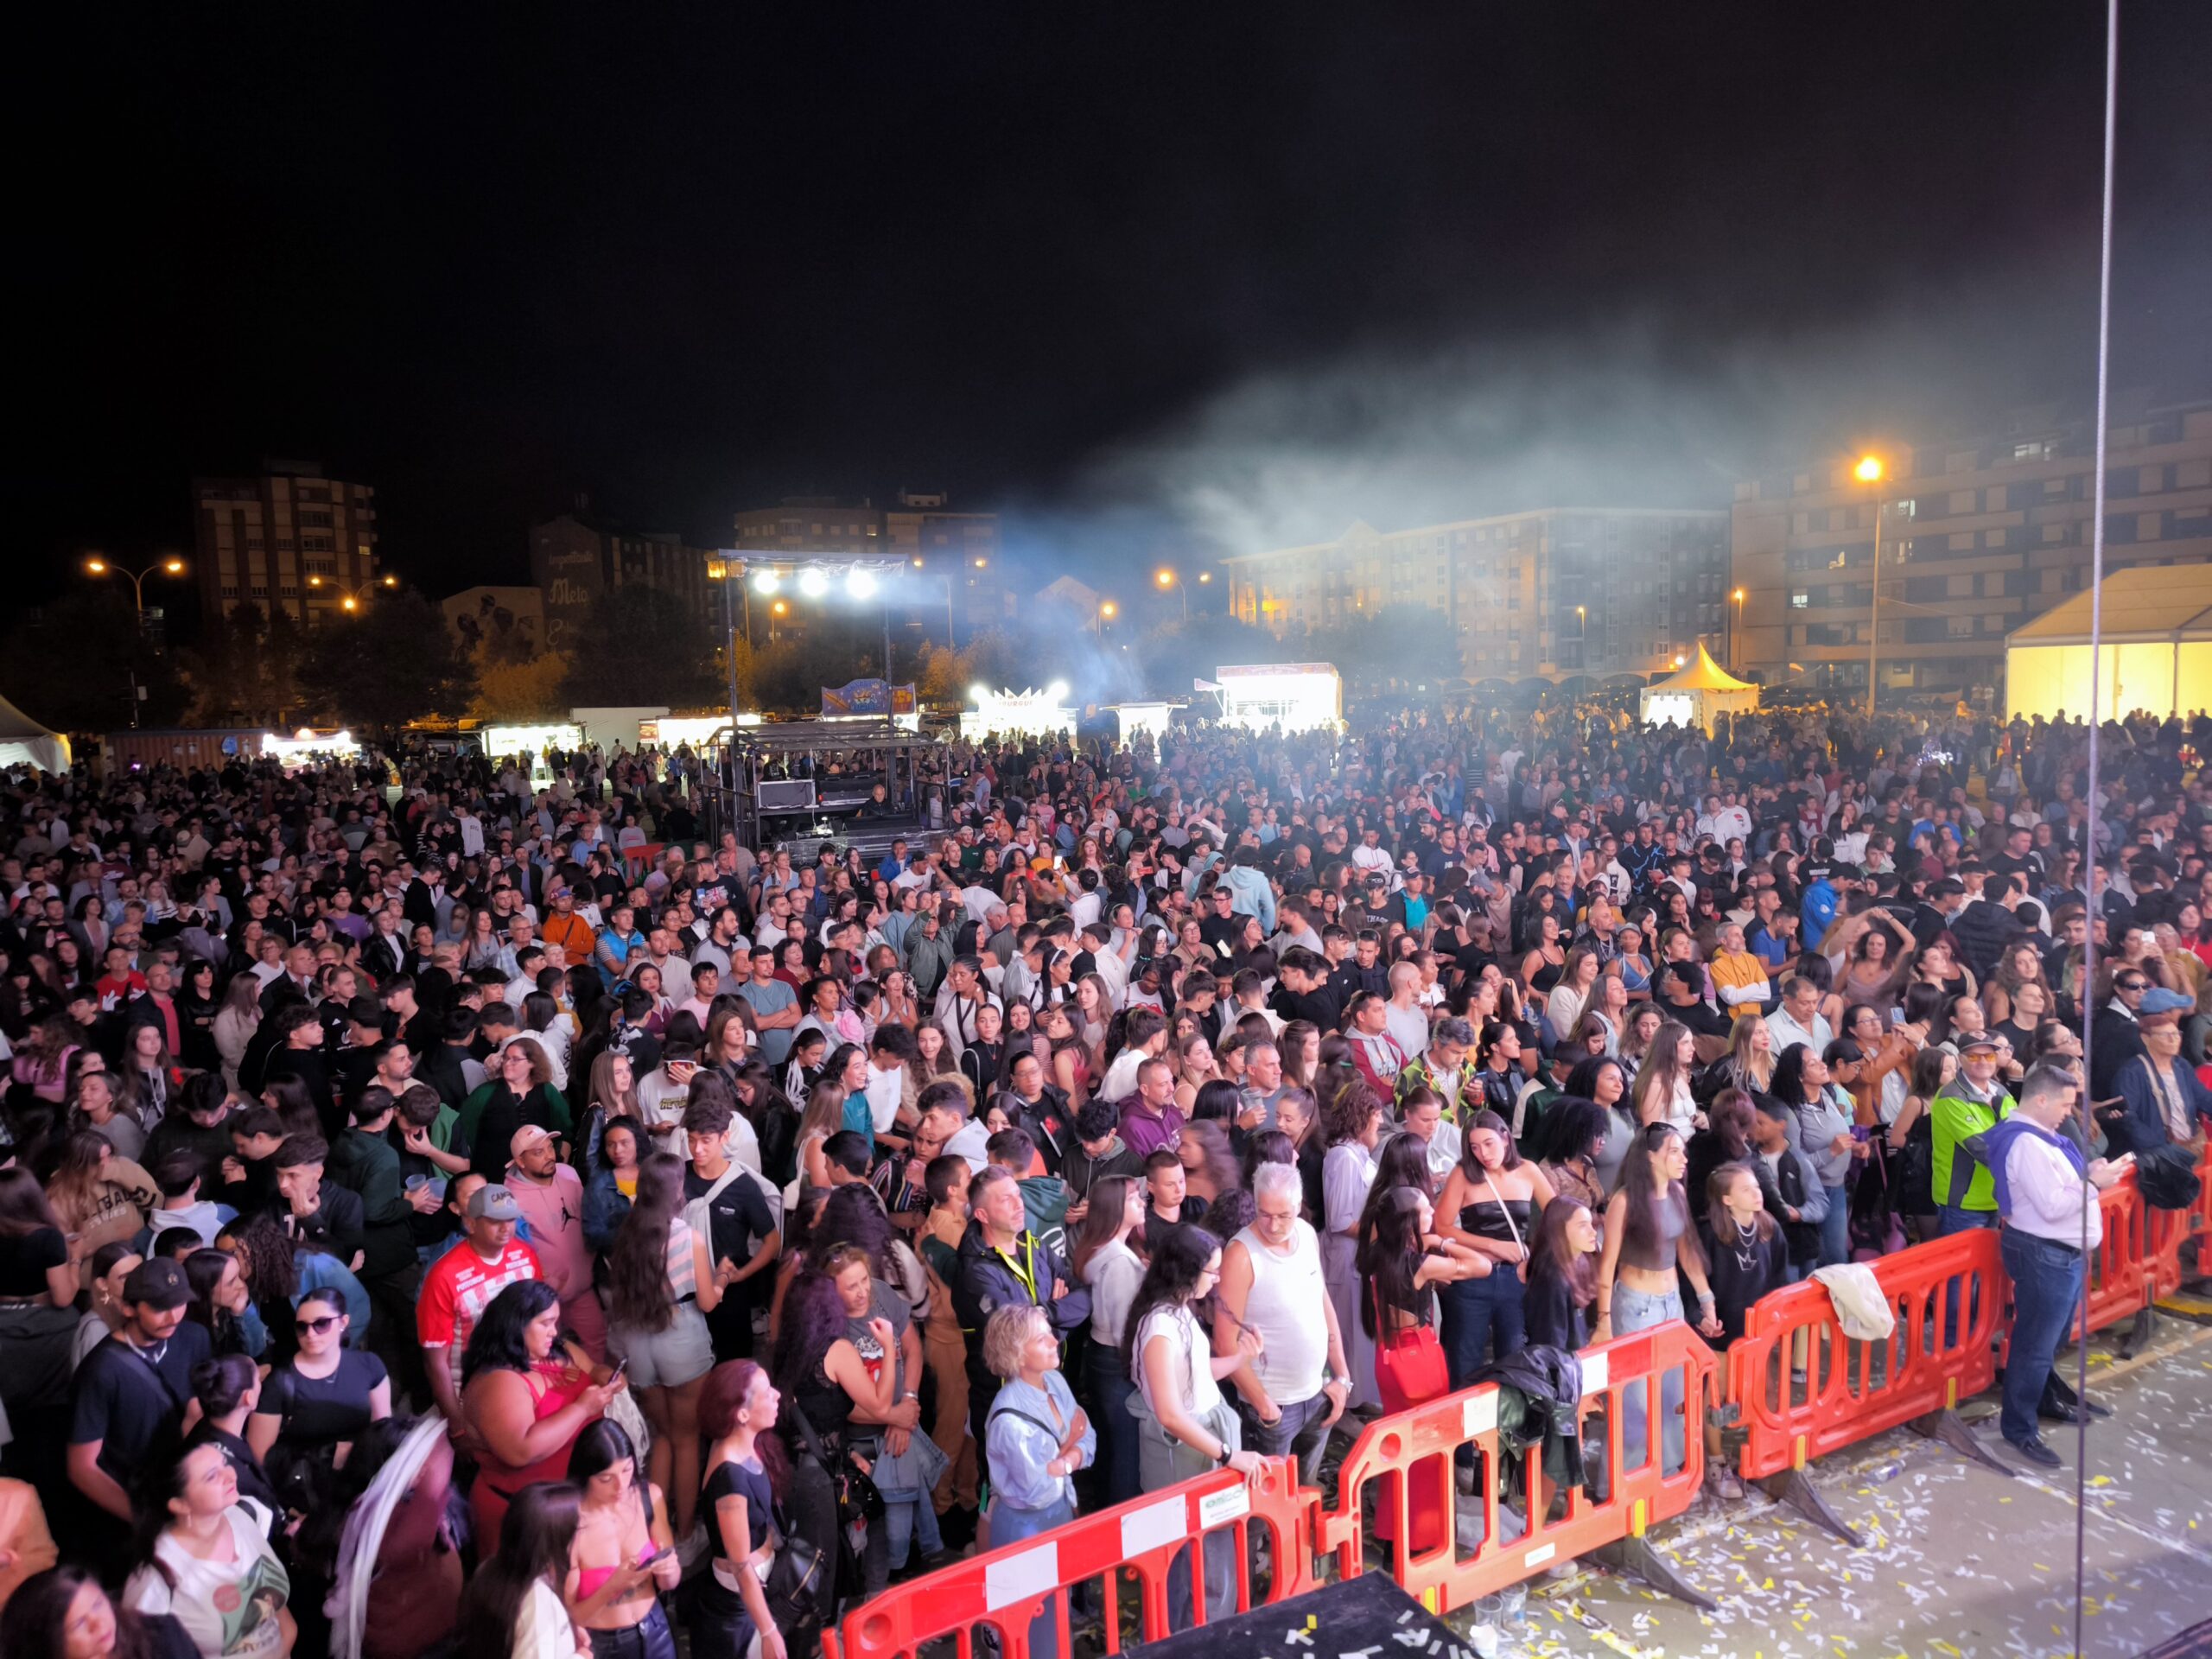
(441,1212)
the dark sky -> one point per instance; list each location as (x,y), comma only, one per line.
(1060,259)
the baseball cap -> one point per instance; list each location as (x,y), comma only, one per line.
(157,1282)
(525,1138)
(493,1203)
(1978,1040)
(2159,1000)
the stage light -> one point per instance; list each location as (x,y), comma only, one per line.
(1056,690)
(861,584)
(813,584)
(978,691)
(766,583)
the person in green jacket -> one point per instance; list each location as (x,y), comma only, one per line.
(1972,1102)
(520,1090)
(366,1160)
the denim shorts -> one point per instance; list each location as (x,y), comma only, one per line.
(665,1359)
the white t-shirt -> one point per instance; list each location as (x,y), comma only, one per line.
(228,1608)
(543,1627)
(1188,1346)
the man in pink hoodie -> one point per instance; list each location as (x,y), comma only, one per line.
(552,1198)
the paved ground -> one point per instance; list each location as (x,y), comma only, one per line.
(1958,1561)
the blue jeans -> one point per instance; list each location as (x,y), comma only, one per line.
(649,1638)
(1634,1310)
(1483,1321)
(908,1518)
(1835,1229)
(1110,1389)
(1301,1432)
(1010,1526)
(1950,1220)
(2048,1278)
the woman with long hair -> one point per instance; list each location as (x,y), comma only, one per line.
(1185,1425)
(1649,1241)
(235,1023)
(1664,1091)
(203,1557)
(1208,1167)
(1194,1067)
(1562,1275)
(1069,1058)
(64,1613)
(516,1607)
(1402,1261)
(1726,1138)
(824,1117)
(1568,1000)
(614,1182)
(42,1059)
(1804,1085)
(152,1071)
(223,1304)
(1748,1064)
(1352,1124)
(97,1104)
(748,1477)
(1300,1048)
(526,1394)
(610,1091)
(38,1314)
(1577,1131)
(662,1281)
(1489,1205)
(98,1196)
(625,1552)
(1299,1118)
(1105,1256)
(825,1378)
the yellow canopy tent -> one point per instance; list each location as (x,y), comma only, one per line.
(1694,693)
(2156,654)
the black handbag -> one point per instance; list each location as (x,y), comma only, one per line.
(797,1581)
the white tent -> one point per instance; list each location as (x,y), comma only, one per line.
(2155,650)
(23,742)
(1694,693)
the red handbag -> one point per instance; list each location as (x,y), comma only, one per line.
(1409,1363)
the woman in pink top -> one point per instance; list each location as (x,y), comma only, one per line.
(624,1552)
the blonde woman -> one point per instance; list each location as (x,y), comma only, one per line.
(1194,1067)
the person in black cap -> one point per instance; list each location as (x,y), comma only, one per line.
(131,1394)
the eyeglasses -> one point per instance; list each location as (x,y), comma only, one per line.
(316,1326)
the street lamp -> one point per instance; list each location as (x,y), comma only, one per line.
(350,599)
(1167,579)
(1735,626)
(98,566)
(1107,610)
(1869,472)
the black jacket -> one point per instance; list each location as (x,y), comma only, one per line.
(1984,931)
(1540,1400)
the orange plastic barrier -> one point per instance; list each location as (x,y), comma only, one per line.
(639,860)
(1008,1587)
(2125,1268)
(1854,1390)
(1445,1576)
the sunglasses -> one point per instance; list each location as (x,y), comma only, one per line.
(315,1326)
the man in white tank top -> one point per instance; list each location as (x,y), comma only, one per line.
(1291,1391)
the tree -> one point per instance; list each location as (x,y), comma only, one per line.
(70,665)
(641,645)
(393,662)
(518,690)
(1170,658)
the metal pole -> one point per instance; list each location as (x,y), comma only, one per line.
(952,643)
(887,648)
(730,618)
(1874,643)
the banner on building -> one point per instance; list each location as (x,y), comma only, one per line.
(866,697)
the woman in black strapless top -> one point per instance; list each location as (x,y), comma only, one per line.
(1491,1202)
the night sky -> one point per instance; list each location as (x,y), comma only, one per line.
(1168,273)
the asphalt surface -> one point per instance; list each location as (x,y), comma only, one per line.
(1957,1561)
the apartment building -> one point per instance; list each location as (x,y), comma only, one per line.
(287,539)
(1553,593)
(1979,535)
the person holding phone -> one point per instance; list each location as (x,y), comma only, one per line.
(624,1556)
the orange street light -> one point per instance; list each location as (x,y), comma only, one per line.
(97,566)
(1166,578)
(1869,469)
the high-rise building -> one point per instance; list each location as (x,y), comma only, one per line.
(1554,593)
(1979,535)
(951,556)
(580,556)
(288,540)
